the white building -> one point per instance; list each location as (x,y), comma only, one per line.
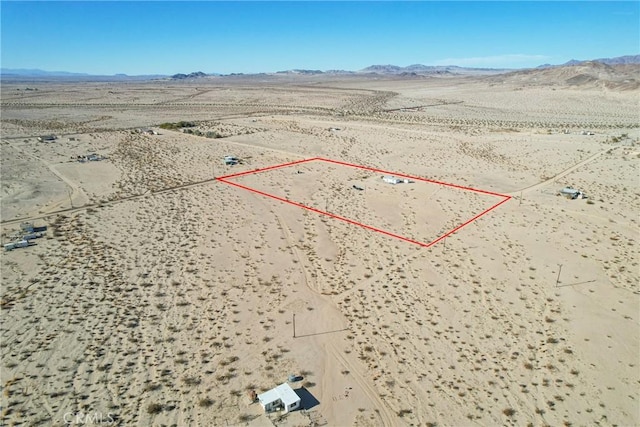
(282,397)
(573,193)
(391,179)
(47,138)
(231,160)
(394,180)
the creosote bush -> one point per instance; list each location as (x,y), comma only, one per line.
(177,125)
(154,408)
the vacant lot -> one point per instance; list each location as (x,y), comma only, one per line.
(161,295)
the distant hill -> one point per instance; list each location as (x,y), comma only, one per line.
(382,69)
(339,72)
(627,59)
(425,70)
(314,72)
(37,72)
(42,75)
(410,71)
(299,71)
(196,75)
(618,60)
(583,74)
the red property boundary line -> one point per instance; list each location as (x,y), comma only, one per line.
(225,179)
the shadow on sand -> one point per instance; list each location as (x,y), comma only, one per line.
(575,284)
(307,400)
(321,333)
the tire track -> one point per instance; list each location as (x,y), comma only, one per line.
(561,174)
(77,190)
(384,412)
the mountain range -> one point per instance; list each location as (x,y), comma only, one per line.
(411,70)
(619,60)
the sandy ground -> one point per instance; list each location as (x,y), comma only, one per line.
(162,296)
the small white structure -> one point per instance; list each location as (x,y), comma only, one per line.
(32,236)
(393,180)
(231,160)
(47,138)
(15,245)
(282,397)
(572,193)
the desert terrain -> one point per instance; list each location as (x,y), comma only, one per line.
(161,295)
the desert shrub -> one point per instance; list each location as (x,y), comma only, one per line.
(191,381)
(509,412)
(152,387)
(154,408)
(177,125)
(205,403)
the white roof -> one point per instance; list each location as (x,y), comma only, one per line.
(387,178)
(569,190)
(283,392)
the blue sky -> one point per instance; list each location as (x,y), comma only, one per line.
(245,37)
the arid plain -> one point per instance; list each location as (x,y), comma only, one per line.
(162,295)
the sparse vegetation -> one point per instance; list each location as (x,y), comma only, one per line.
(205,402)
(177,288)
(177,125)
(509,412)
(154,408)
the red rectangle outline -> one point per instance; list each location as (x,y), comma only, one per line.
(225,179)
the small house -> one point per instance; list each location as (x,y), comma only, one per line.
(230,160)
(28,227)
(283,397)
(32,236)
(572,193)
(15,245)
(391,180)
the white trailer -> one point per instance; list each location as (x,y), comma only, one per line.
(15,245)
(572,193)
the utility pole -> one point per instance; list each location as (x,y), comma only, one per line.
(69,191)
(294,325)
(558,279)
